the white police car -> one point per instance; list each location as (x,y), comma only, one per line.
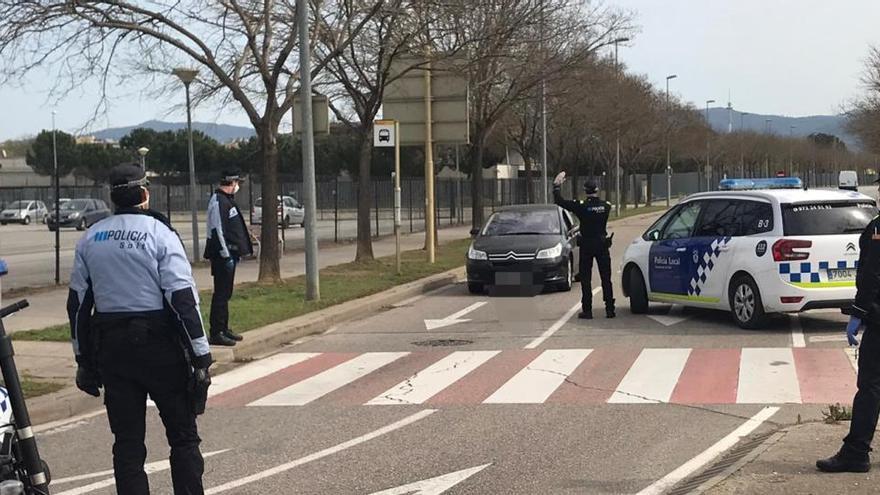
(757,246)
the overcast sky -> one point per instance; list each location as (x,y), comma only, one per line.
(790,57)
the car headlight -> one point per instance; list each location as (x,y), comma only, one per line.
(74,215)
(554,252)
(475,254)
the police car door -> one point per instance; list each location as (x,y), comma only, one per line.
(669,259)
(710,250)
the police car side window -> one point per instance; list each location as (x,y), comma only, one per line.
(682,225)
(718,219)
(754,217)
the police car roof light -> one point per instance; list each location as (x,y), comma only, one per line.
(749,184)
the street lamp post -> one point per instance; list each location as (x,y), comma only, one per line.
(57,203)
(313,292)
(187,76)
(791,129)
(142,151)
(742,153)
(617,133)
(668,152)
(708,140)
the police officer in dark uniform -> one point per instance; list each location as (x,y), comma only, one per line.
(136,329)
(865,312)
(228,241)
(594,243)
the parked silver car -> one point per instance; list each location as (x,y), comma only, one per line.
(292,212)
(23,211)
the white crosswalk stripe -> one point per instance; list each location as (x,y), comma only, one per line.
(535,383)
(652,377)
(768,376)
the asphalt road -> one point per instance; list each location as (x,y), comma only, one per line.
(522,400)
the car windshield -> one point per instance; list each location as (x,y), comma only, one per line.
(76,204)
(18,205)
(523,223)
(827,218)
(259,202)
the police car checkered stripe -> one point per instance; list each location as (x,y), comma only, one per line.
(705,264)
(811,272)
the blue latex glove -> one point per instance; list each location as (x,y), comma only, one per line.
(852,329)
(229,264)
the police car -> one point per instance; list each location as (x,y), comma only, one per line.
(754,247)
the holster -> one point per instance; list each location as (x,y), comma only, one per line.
(609,240)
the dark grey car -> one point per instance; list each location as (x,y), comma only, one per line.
(79,213)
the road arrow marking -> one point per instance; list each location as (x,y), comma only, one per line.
(673,317)
(434,486)
(153,467)
(453,318)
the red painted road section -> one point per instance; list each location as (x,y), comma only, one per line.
(711,376)
(825,376)
(482,382)
(597,377)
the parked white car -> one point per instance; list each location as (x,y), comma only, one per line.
(24,212)
(292,212)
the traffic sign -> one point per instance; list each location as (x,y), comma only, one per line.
(383,134)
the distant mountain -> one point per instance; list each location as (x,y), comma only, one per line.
(781,125)
(221,132)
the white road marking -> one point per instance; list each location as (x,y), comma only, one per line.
(433,379)
(320,454)
(797,331)
(454,318)
(537,381)
(673,317)
(828,338)
(323,383)
(253,371)
(153,467)
(559,323)
(705,457)
(652,377)
(61,425)
(434,486)
(767,376)
(853,357)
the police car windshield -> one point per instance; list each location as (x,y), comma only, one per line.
(826,218)
(523,223)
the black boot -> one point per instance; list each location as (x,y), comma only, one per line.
(220,339)
(586,314)
(609,309)
(229,334)
(844,463)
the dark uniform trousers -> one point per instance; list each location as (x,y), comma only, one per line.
(224,281)
(591,249)
(140,356)
(866,404)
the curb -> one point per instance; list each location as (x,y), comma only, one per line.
(70,402)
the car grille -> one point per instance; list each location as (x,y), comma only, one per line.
(511,256)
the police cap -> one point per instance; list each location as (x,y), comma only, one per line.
(232,175)
(126,176)
(591,187)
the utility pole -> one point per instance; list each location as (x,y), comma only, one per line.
(187,76)
(742,152)
(544,183)
(668,152)
(708,140)
(57,203)
(313,290)
(617,131)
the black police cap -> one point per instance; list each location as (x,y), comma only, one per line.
(591,187)
(126,176)
(231,175)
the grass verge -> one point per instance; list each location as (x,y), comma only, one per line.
(32,387)
(255,305)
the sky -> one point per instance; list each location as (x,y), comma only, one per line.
(787,57)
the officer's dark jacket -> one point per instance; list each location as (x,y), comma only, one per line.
(592,214)
(227,234)
(867,306)
(134,264)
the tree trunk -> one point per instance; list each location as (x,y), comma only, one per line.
(364,234)
(650,188)
(528,166)
(270,267)
(636,189)
(476,159)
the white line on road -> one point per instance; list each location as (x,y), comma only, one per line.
(853,358)
(153,467)
(768,376)
(535,383)
(310,389)
(433,379)
(320,454)
(257,369)
(454,317)
(559,323)
(828,338)
(652,377)
(709,454)
(797,331)
(434,486)
(66,424)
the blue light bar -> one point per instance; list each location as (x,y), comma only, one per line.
(749,184)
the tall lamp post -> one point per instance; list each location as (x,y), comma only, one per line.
(187,76)
(617,133)
(142,151)
(313,292)
(708,141)
(742,152)
(668,152)
(791,129)
(57,203)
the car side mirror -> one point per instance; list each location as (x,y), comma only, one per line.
(474,232)
(654,235)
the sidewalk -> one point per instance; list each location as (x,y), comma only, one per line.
(788,466)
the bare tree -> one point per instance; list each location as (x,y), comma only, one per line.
(244,51)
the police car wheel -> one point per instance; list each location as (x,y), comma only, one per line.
(745,303)
(475,288)
(638,293)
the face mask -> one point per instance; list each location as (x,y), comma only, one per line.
(235,188)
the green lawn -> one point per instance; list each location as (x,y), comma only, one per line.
(254,305)
(35,388)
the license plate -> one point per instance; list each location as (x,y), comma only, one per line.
(509,278)
(840,274)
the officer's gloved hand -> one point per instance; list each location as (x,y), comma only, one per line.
(199,383)
(229,263)
(852,329)
(88,380)
(560,178)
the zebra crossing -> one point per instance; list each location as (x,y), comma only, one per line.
(542,376)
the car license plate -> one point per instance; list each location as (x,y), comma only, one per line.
(509,278)
(841,274)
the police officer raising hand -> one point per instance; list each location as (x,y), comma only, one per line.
(136,330)
(593,216)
